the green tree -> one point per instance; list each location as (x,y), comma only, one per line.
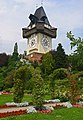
(1,81)
(47,63)
(15,53)
(9,80)
(77,58)
(75,42)
(60,58)
(19,83)
(52,86)
(38,92)
(58,74)
(73,88)
(14,59)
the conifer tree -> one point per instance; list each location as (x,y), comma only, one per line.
(19,83)
(60,58)
(38,92)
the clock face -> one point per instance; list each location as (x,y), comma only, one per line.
(45,42)
(32,41)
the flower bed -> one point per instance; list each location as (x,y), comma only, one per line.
(5,93)
(45,111)
(78,105)
(13,113)
(12,104)
(59,106)
(5,106)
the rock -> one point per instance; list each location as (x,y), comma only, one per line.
(24,104)
(67,104)
(10,104)
(80,102)
(52,101)
(31,109)
(17,104)
(49,108)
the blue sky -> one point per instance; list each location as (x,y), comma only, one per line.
(66,15)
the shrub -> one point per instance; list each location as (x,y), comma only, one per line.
(38,91)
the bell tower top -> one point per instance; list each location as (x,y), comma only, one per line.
(39,16)
(39,23)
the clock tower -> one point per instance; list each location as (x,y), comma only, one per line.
(39,34)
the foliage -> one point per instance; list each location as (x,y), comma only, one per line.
(73,88)
(47,63)
(15,52)
(77,57)
(18,90)
(19,83)
(1,81)
(14,59)
(38,92)
(52,86)
(61,89)
(60,73)
(3,59)
(75,42)
(9,80)
(60,58)
(35,64)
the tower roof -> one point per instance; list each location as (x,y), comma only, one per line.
(39,16)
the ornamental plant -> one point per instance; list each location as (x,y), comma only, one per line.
(38,91)
(73,88)
(18,90)
(19,83)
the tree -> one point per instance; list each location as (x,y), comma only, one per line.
(19,83)
(52,86)
(58,74)
(3,59)
(47,63)
(77,58)
(59,57)
(15,53)
(73,88)
(1,81)
(9,80)
(38,92)
(75,42)
(15,56)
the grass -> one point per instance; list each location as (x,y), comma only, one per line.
(9,98)
(59,114)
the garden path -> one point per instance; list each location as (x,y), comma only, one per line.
(2,110)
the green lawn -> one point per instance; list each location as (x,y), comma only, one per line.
(9,98)
(59,114)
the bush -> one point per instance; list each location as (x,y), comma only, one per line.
(38,92)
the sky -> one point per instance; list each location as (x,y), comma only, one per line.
(66,15)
